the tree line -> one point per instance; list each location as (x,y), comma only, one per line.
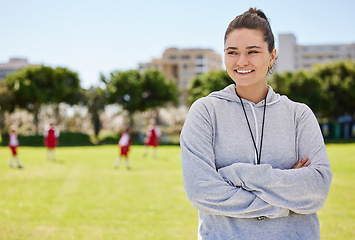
(32,87)
(329,89)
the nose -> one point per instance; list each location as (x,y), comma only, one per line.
(242,60)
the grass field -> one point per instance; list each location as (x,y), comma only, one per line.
(81,196)
(337,218)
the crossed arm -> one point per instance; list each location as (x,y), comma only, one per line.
(245,190)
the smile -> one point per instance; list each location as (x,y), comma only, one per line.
(243,71)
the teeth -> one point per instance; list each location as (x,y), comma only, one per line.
(244,71)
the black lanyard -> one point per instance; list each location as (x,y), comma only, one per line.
(258,154)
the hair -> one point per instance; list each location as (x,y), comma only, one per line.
(253,19)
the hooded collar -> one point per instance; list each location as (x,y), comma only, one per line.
(229,94)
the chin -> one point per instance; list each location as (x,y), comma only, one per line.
(243,83)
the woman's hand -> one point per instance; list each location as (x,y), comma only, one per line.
(302,163)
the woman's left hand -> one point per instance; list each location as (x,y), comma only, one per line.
(303,162)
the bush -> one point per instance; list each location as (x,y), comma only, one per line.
(74,139)
(65,139)
(80,139)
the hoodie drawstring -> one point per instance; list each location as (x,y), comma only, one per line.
(256,132)
(258,154)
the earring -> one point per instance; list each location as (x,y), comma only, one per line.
(270,70)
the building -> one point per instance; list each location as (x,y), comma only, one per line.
(13,65)
(184,64)
(292,56)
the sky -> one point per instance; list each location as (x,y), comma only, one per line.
(93,37)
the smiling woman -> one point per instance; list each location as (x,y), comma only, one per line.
(247,61)
(254,162)
(249,54)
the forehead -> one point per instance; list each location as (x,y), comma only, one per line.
(245,37)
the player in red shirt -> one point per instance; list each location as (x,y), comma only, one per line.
(124,143)
(13,145)
(152,137)
(51,135)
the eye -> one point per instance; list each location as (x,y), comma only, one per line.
(253,52)
(232,53)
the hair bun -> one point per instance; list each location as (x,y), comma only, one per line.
(253,19)
(257,12)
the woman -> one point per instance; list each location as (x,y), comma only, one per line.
(254,162)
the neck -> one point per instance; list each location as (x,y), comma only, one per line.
(254,95)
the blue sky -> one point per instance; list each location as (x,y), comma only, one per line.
(90,37)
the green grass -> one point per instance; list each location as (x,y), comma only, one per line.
(337,218)
(81,196)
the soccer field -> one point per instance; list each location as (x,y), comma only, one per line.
(81,195)
(337,218)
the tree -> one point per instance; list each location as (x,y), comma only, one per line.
(96,102)
(139,92)
(6,103)
(37,85)
(300,86)
(329,89)
(204,84)
(338,84)
(125,89)
(156,90)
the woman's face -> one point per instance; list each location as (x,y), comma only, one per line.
(247,58)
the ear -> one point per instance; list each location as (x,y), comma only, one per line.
(272,57)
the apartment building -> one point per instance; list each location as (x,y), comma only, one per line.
(184,64)
(13,65)
(292,56)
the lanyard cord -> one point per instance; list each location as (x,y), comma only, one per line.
(258,154)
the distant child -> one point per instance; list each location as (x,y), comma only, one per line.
(124,143)
(13,144)
(152,137)
(51,135)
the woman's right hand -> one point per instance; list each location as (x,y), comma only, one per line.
(303,162)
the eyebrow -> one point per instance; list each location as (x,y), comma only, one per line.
(249,47)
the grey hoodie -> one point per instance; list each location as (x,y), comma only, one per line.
(235,197)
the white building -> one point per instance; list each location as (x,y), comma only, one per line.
(292,56)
